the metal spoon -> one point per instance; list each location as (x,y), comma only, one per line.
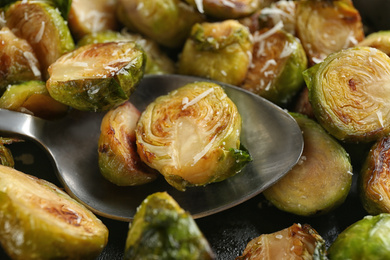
(269,133)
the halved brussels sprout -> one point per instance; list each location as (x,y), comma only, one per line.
(43,27)
(374,178)
(280,11)
(33,98)
(168,22)
(294,242)
(161,229)
(192,136)
(98,76)
(17,60)
(86,17)
(40,221)
(320,181)
(223,10)
(220,51)
(157,61)
(278,60)
(119,161)
(350,95)
(379,40)
(366,239)
(6,157)
(325,27)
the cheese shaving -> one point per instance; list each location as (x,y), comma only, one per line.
(198,98)
(31,62)
(277,27)
(39,35)
(199,6)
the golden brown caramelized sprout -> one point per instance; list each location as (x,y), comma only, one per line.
(349,94)
(40,221)
(192,136)
(44,29)
(157,61)
(17,60)
(168,22)
(294,242)
(367,238)
(32,97)
(224,10)
(278,60)
(161,229)
(220,51)
(327,26)
(119,161)
(320,181)
(379,40)
(87,17)
(97,77)
(374,179)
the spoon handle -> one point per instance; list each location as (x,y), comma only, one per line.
(18,123)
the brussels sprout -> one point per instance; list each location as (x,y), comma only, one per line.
(280,11)
(168,22)
(32,97)
(43,27)
(192,136)
(86,17)
(98,76)
(161,229)
(62,5)
(278,61)
(366,239)
(17,60)
(320,181)
(220,51)
(379,40)
(40,221)
(223,10)
(294,242)
(157,61)
(6,157)
(349,94)
(325,27)
(374,178)
(119,161)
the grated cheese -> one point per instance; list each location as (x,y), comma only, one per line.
(39,35)
(198,98)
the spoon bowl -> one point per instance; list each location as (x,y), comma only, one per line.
(270,134)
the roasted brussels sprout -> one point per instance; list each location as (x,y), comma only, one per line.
(43,27)
(374,178)
(320,181)
(161,229)
(87,16)
(6,157)
(33,98)
(17,60)
(192,136)
(278,61)
(223,10)
(294,242)
(325,27)
(220,51)
(280,11)
(97,77)
(40,221)
(366,239)
(168,22)
(119,161)
(157,61)
(379,40)
(349,95)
